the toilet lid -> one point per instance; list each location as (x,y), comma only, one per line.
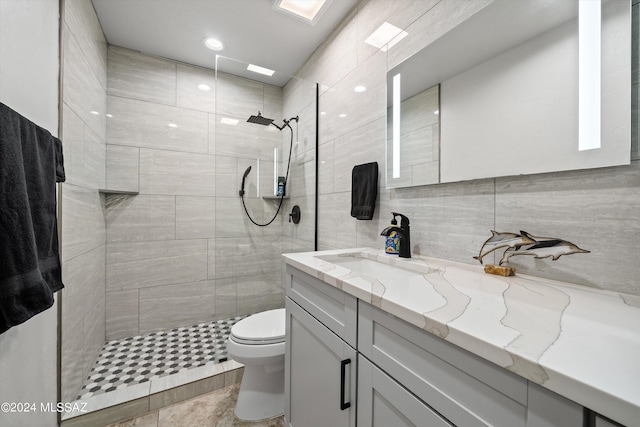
(265,327)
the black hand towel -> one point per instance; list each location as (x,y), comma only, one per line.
(30,164)
(364,190)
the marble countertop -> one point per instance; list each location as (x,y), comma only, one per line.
(579,342)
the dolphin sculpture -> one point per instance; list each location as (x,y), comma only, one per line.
(502,240)
(542,247)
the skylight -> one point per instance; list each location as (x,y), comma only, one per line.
(307,10)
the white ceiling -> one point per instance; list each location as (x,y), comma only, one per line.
(251,30)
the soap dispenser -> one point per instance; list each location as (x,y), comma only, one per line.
(392,243)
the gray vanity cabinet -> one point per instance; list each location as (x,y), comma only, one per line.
(339,347)
(462,387)
(321,361)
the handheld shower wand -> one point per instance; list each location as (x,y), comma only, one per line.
(244,177)
(260,120)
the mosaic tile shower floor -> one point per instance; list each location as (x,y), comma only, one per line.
(135,360)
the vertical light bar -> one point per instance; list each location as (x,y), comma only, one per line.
(589,30)
(275,171)
(258,177)
(396,126)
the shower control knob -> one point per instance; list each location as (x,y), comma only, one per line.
(295,214)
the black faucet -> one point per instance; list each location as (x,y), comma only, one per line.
(403,232)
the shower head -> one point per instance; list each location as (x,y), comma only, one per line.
(259,120)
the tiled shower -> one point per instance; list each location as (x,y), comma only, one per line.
(155,237)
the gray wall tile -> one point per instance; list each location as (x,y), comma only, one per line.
(138,76)
(134,265)
(122,314)
(171,306)
(83,92)
(195,217)
(189,96)
(594,209)
(170,172)
(83,222)
(141,217)
(122,167)
(145,124)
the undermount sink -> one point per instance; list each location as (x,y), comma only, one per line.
(380,268)
(401,280)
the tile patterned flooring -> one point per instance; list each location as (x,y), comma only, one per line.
(214,409)
(135,360)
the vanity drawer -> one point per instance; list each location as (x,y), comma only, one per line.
(465,389)
(333,307)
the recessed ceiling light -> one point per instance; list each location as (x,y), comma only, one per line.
(228,121)
(359,88)
(342,115)
(172,125)
(94,112)
(260,70)
(436,112)
(386,36)
(309,11)
(203,87)
(213,43)
(109,115)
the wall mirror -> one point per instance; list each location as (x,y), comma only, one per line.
(521,87)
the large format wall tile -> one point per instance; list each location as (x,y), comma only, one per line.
(594,209)
(81,17)
(133,265)
(363,145)
(259,293)
(170,172)
(372,14)
(335,224)
(190,95)
(122,314)
(142,217)
(83,92)
(346,109)
(137,76)
(238,97)
(144,124)
(195,217)
(83,223)
(82,231)
(84,281)
(123,168)
(336,57)
(185,304)
(247,140)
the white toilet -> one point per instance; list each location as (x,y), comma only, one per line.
(258,343)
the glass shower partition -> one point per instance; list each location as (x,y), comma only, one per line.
(245,258)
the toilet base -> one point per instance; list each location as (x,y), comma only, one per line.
(261,393)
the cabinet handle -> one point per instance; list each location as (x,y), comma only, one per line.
(343,377)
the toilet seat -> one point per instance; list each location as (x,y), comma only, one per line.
(263,328)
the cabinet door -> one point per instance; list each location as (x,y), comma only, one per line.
(383,402)
(320,373)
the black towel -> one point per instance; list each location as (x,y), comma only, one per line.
(30,164)
(364,190)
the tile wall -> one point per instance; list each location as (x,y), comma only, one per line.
(84,104)
(182,251)
(595,209)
